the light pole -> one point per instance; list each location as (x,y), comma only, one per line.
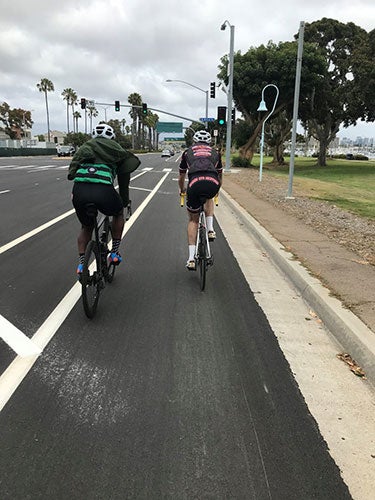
(230,95)
(262,107)
(198,88)
(105,112)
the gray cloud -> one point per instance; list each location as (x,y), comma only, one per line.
(107,50)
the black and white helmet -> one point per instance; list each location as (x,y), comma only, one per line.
(202,136)
(103,130)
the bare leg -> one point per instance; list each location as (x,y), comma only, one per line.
(118,226)
(192,228)
(209,207)
(84,237)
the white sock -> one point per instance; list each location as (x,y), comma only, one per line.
(191,252)
(210,222)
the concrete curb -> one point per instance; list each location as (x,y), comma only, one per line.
(353,335)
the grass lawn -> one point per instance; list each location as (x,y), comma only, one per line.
(349,184)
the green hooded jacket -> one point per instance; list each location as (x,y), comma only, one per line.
(99,160)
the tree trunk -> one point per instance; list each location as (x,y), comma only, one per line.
(48,128)
(67,116)
(247,150)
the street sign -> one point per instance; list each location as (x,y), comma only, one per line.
(207,119)
(175,127)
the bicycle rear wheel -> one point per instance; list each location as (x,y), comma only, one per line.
(90,280)
(202,258)
(109,268)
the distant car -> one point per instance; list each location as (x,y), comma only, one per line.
(65,151)
(165,152)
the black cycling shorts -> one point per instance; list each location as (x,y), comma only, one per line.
(104,196)
(200,188)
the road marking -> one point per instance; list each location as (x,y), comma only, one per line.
(19,368)
(17,340)
(167,170)
(37,230)
(147,169)
(5,191)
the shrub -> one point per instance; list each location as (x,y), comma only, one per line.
(238,161)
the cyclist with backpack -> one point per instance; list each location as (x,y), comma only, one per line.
(94,168)
(203,167)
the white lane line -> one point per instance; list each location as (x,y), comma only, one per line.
(37,230)
(167,170)
(141,189)
(147,169)
(17,340)
(19,368)
(5,191)
(19,240)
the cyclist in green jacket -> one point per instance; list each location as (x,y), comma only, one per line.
(94,168)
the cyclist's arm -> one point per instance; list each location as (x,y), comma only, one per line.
(182,171)
(181,182)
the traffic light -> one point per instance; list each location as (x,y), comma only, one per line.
(233,116)
(144,108)
(117,105)
(83,103)
(212,89)
(221,115)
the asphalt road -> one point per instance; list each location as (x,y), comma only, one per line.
(169,392)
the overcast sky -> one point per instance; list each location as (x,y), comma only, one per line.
(105,50)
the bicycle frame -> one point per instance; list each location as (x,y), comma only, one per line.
(96,272)
(202,234)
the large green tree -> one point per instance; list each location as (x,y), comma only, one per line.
(336,99)
(269,64)
(14,120)
(46,86)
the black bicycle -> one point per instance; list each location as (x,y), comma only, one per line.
(96,270)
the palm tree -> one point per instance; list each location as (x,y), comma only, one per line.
(76,115)
(69,96)
(135,100)
(93,112)
(45,86)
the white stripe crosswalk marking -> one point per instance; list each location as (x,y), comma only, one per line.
(18,341)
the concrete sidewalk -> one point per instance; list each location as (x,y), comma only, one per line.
(310,259)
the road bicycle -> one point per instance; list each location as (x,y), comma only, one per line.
(96,269)
(203,255)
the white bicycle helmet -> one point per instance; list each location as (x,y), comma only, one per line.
(202,136)
(103,130)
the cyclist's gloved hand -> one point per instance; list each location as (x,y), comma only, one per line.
(70,177)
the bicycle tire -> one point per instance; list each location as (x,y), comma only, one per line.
(110,268)
(90,280)
(202,258)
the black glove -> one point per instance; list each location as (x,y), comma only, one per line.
(70,177)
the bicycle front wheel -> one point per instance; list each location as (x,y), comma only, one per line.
(202,258)
(90,280)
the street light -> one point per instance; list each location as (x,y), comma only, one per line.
(198,88)
(229,95)
(262,107)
